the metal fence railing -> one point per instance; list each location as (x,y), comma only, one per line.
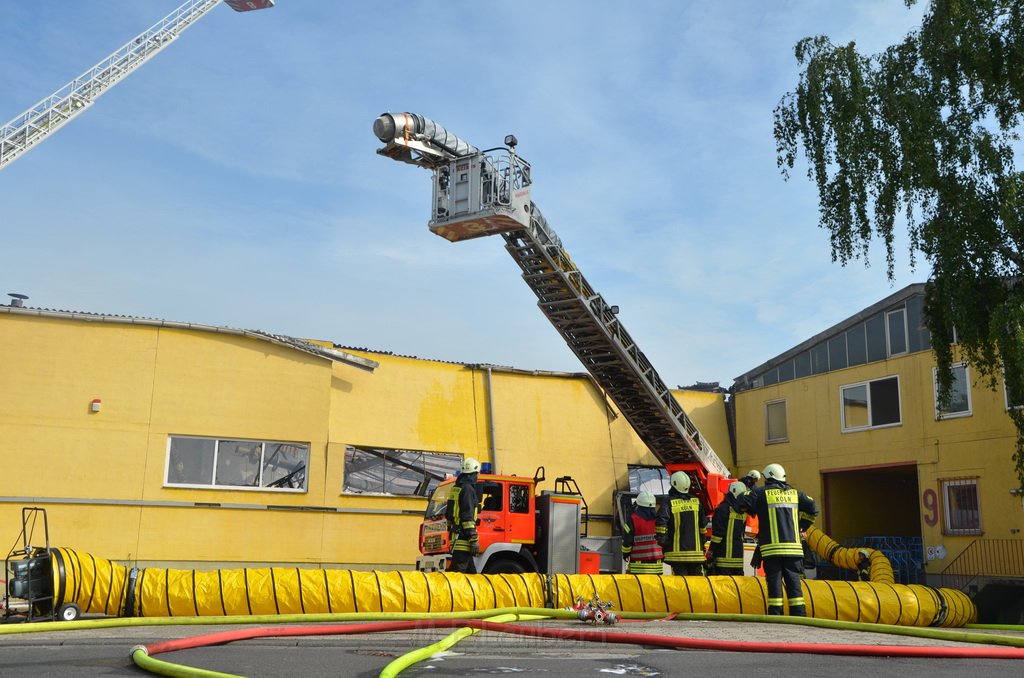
(985,558)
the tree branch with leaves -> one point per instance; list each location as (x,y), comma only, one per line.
(923,136)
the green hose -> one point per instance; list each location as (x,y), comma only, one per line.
(407,660)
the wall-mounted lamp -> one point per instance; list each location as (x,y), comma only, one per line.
(95,405)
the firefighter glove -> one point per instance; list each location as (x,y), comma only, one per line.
(474,548)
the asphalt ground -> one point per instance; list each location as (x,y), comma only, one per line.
(106,652)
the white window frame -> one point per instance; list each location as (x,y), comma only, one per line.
(1006,398)
(785,422)
(939,413)
(867,384)
(888,335)
(260,483)
(947,518)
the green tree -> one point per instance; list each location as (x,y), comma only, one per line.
(923,136)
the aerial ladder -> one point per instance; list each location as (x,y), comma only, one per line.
(484,192)
(37,123)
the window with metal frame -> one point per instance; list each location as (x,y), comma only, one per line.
(896,322)
(961,506)
(775,430)
(385,471)
(236,464)
(959,404)
(654,479)
(870,404)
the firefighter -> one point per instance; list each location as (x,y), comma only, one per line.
(783,513)
(679,528)
(461,513)
(750,481)
(639,542)
(727,529)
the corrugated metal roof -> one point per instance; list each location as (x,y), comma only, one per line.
(334,354)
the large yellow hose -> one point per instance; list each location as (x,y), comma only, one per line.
(874,562)
(101,586)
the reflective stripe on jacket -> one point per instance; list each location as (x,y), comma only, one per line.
(679,528)
(727,529)
(782,512)
(638,539)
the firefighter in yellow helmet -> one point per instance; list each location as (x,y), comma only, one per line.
(639,543)
(727,528)
(680,528)
(783,513)
(461,513)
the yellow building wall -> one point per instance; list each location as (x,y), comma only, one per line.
(980,445)
(100,476)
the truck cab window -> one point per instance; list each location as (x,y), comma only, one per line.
(519,498)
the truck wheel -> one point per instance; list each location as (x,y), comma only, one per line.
(69,612)
(505,566)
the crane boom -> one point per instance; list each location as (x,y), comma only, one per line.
(37,123)
(479,193)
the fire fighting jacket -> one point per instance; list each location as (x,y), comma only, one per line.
(462,511)
(782,513)
(679,528)
(727,528)
(638,539)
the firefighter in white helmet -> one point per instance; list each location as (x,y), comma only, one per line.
(783,513)
(680,528)
(727,528)
(461,513)
(639,543)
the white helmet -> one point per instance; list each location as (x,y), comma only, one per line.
(680,481)
(753,473)
(775,472)
(736,488)
(646,498)
(470,465)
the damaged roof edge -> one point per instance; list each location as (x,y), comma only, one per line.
(303,345)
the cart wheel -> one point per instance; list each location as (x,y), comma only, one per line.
(69,612)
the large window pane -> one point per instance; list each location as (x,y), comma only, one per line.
(856,345)
(961,506)
(191,461)
(837,352)
(875,328)
(786,371)
(897,323)
(802,364)
(396,472)
(819,359)
(919,336)
(855,406)
(775,421)
(959,404)
(238,462)
(225,464)
(284,465)
(885,402)
(870,404)
(654,479)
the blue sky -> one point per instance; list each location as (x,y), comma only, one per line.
(232,180)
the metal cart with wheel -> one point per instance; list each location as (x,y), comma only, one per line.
(29,595)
